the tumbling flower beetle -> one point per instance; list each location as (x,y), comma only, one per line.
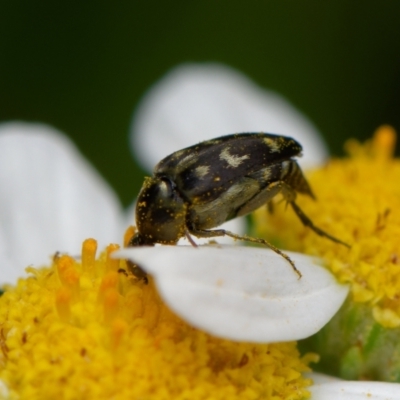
(202,186)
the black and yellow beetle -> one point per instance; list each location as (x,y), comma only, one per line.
(202,186)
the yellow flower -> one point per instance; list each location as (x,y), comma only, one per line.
(88,330)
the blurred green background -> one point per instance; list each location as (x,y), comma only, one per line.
(82,66)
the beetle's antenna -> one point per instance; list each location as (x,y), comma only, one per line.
(307,222)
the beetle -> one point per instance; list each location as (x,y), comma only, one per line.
(200,187)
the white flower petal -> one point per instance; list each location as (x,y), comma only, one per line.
(242,293)
(195,102)
(50,200)
(350,390)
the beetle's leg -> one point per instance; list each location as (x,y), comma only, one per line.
(295,179)
(290,195)
(137,271)
(223,232)
(134,268)
(307,222)
(188,237)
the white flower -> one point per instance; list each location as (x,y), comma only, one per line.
(54,199)
(51,199)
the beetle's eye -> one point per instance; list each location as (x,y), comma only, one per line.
(160,189)
(165,189)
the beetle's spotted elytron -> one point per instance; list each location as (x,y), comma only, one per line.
(202,186)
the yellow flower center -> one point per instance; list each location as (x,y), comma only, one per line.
(87,329)
(358,201)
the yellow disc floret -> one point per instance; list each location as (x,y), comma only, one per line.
(89,330)
(358,201)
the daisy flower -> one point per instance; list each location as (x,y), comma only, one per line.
(213,322)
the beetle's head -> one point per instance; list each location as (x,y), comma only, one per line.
(160,213)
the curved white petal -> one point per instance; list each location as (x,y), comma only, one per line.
(50,199)
(351,390)
(242,293)
(195,102)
